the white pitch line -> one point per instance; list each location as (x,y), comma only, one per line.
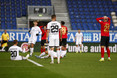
(35,62)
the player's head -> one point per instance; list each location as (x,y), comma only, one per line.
(35,23)
(78,30)
(53,17)
(44,27)
(15,42)
(105,19)
(62,23)
(5,31)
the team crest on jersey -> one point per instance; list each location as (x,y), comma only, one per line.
(24,47)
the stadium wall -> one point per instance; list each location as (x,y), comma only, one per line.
(91,40)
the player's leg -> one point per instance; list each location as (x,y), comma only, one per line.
(76,46)
(102,48)
(64,49)
(24,58)
(107,48)
(63,53)
(52,56)
(31,49)
(42,44)
(81,47)
(51,49)
(58,50)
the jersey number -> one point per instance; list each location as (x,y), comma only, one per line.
(13,53)
(54,29)
(106,28)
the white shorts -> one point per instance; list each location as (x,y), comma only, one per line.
(54,54)
(31,41)
(78,42)
(63,54)
(17,58)
(53,41)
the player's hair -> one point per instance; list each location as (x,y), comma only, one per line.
(35,21)
(44,26)
(15,41)
(53,16)
(78,29)
(62,22)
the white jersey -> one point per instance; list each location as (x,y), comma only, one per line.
(79,36)
(15,51)
(35,30)
(54,27)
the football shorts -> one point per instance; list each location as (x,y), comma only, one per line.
(104,41)
(78,42)
(31,41)
(53,42)
(63,42)
(43,42)
(17,58)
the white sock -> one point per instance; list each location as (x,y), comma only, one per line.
(52,57)
(60,49)
(3,48)
(108,57)
(24,58)
(102,58)
(82,47)
(76,49)
(58,56)
(63,53)
(31,51)
(24,50)
(45,56)
(42,54)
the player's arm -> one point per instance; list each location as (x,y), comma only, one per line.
(66,30)
(109,20)
(75,38)
(1,38)
(47,35)
(39,31)
(82,37)
(7,37)
(61,34)
(99,19)
(41,27)
(30,31)
(48,30)
(20,49)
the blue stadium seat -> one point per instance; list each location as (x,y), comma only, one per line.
(11,9)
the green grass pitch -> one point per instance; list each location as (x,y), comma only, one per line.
(74,65)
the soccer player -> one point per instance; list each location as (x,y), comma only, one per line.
(105,26)
(43,40)
(53,28)
(64,37)
(35,30)
(4,40)
(79,40)
(15,52)
(62,54)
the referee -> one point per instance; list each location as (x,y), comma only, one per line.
(4,40)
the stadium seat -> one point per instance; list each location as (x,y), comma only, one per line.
(11,9)
(85,12)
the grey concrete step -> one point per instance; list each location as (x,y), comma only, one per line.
(22,26)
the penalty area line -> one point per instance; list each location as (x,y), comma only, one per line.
(35,62)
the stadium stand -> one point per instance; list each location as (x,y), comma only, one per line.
(83,13)
(12,9)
